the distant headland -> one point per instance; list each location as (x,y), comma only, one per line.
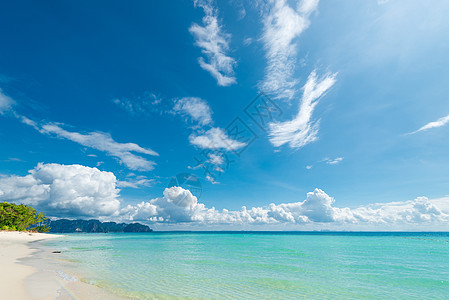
(93,226)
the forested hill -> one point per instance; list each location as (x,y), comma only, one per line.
(91,226)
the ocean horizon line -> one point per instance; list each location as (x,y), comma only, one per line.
(306,232)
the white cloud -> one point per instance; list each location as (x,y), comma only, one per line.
(97,140)
(104,142)
(144,104)
(382,2)
(6,103)
(179,205)
(309,167)
(64,190)
(333,161)
(135,183)
(199,111)
(214,44)
(212,179)
(302,130)
(79,191)
(247,41)
(215,138)
(242,13)
(306,7)
(196,108)
(438,123)
(282,26)
(418,211)
(215,159)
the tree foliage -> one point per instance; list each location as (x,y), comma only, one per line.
(20,217)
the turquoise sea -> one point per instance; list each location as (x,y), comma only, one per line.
(263,265)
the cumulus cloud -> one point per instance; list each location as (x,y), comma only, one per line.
(418,211)
(79,191)
(179,205)
(214,43)
(215,138)
(103,142)
(64,190)
(283,24)
(6,103)
(302,130)
(196,108)
(438,123)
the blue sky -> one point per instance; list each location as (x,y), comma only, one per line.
(141,89)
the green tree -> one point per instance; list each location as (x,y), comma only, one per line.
(20,217)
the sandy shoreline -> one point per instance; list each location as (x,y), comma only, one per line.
(28,271)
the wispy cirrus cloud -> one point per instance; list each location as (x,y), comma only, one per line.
(6,103)
(205,136)
(104,142)
(333,161)
(438,123)
(135,183)
(195,108)
(215,138)
(96,140)
(214,43)
(283,24)
(144,104)
(302,130)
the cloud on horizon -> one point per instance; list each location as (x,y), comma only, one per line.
(214,43)
(64,190)
(79,191)
(179,205)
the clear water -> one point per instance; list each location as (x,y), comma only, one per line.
(264,265)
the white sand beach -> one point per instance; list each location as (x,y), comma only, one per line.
(19,280)
(13,246)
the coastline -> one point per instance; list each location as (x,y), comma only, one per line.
(31,271)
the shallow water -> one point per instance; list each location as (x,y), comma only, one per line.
(263,265)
